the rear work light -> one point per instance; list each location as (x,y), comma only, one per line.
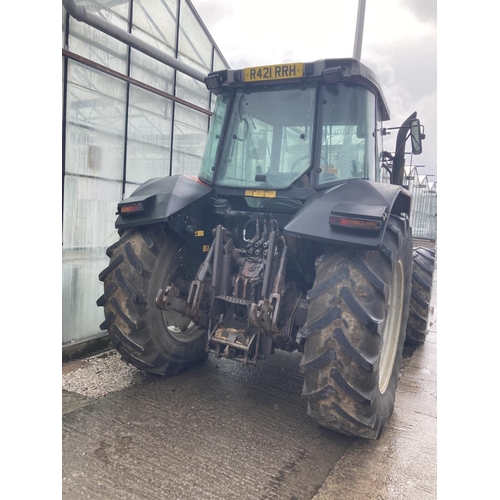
(355,223)
(358,216)
(132,208)
(135,205)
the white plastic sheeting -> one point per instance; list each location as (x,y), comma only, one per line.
(107,155)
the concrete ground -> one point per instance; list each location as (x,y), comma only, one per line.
(222,431)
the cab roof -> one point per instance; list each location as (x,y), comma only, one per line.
(327,70)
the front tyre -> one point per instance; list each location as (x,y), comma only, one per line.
(143,261)
(421,289)
(355,332)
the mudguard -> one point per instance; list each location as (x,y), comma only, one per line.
(161,198)
(356,198)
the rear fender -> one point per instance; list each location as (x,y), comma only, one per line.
(162,198)
(357,198)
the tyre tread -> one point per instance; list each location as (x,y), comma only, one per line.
(340,364)
(127,283)
(421,290)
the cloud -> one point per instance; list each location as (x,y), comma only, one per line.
(424,10)
(407,67)
(407,72)
(270,31)
(214,12)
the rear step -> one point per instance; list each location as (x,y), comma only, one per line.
(247,346)
(234,344)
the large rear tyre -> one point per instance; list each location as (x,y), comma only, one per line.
(143,261)
(355,332)
(421,289)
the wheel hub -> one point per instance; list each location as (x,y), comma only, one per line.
(180,327)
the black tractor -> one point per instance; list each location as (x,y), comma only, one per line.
(287,239)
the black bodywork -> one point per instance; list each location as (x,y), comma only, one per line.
(187,206)
(162,197)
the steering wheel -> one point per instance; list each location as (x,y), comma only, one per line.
(306,157)
(300,160)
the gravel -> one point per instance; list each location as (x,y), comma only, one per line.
(105,373)
(100,375)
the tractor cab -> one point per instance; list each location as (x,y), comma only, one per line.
(294,126)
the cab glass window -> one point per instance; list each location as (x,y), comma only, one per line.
(269,137)
(214,136)
(347,134)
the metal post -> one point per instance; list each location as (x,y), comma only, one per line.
(358,37)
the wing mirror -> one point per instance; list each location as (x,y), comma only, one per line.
(416,136)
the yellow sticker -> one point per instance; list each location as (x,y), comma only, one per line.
(199,233)
(206,248)
(260,193)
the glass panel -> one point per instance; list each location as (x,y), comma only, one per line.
(193,41)
(149,70)
(216,123)
(384,175)
(423,217)
(190,133)
(96,45)
(269,136)
(148,142)
(219,62)
(158,19)
(348,143)
(119,9)
(88,229)
(95,123)
(192,90)
(129,189)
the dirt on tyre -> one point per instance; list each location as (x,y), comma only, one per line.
(355,332)
(142,261)
(421,289)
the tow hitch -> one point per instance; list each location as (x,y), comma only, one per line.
(244,305)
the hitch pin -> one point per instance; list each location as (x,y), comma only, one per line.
(161,300)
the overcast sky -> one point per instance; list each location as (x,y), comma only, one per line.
(399,45)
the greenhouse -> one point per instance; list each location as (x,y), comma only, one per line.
(424,203)
(127,117)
